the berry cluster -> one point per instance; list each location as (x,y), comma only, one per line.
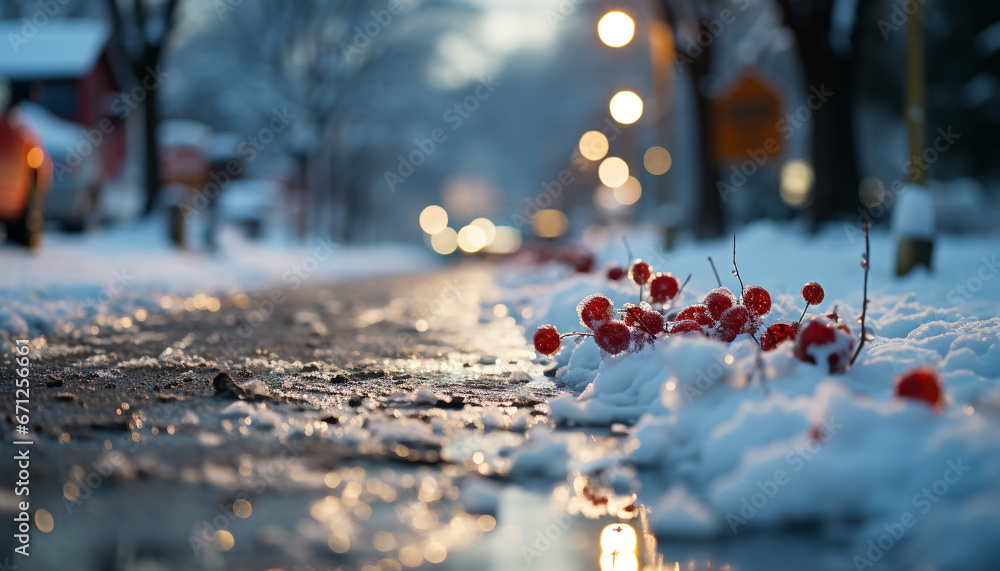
(721,315)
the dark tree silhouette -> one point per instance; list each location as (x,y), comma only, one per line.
(142,31)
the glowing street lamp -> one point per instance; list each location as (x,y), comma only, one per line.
(616,29)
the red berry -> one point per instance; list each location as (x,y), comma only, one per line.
(594,310)
(639,272)
(614,336)
(757,300)
(922,384)
(719,300)
(584,262)
(546,340)
(775,334)
(652,322)
(663,287)
(697,313)
(615,273)
(812,292)
(633,313)
(734,321)
(816,434)
(685,326)
(821,333)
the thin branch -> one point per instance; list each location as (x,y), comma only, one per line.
(680,289)
(628,250)
(736,270)
(804,310)
(715,272)
(866,264)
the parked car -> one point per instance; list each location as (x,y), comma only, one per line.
(76,177)
(25,175)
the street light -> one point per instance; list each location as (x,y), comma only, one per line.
(616,29)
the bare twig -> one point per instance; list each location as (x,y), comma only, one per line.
(804,310)
(577,334)
(680,289)
(736,271)
(715,272)
(628,251)
(866,264)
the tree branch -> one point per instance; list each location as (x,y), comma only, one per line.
(866,264)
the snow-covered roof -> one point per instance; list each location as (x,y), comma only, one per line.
(63,48)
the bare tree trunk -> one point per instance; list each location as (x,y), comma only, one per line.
(827,71)
(709,221)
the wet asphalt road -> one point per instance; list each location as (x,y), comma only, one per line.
(360,424)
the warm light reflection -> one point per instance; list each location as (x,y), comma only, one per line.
(616,29)
(615,561)
(613,172)
(619,537)
(44,521)
(626,107)
(796,183)
(445,241)
(604,197)
(594,145)
(629,192)
(225,539)
(471,239)
(36,157)
(507,241)
(549,223)
(657,160)
(488,228)
(433,219)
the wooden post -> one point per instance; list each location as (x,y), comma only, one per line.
(915,250)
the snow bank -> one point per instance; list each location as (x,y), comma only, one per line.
(74,279)
(723,445)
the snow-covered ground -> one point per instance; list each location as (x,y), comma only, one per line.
(720,452)
(82,281)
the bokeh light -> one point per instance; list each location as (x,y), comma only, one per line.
(629,192)
(796,183)
(626,107)
(445,241)
(433,219)
(618,537)
(488,228)
(594,145)
(613,172)
(616,29)
(604,197)
(471,239)
(615,561)
(225,539)
(36,157)
(657,160)
(507,241)
(44,521)
(871,191)
(549,223)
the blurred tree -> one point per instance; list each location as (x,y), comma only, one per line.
(335,66)
(142,27)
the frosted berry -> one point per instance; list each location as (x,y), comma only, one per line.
(734,321)
(813,293)
(639,272)
(757,300)
(685,326)
(698,313)
(719,300)
(614,336)
(663,287)
(615,273)
(652,322)
(546,340)
(823,336)
(775,334)
(633,313)
(594,310)
(922,384)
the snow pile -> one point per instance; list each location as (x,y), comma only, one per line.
(727,438)
(74,279)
